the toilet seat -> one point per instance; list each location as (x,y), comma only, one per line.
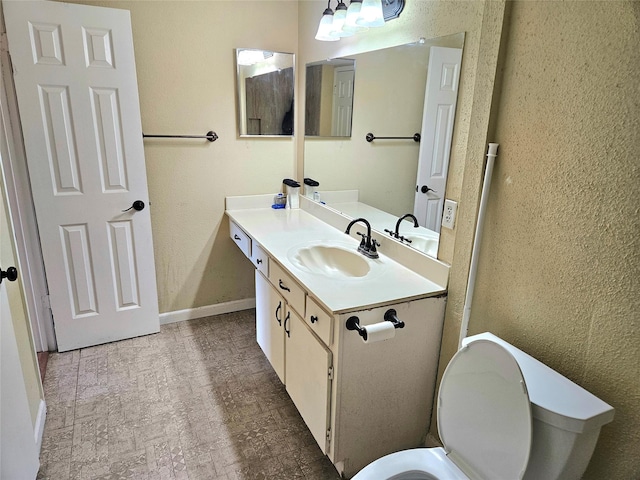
(484,421)
(414,464)
(484,412)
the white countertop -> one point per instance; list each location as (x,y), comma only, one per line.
(281,231)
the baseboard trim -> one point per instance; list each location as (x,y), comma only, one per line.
(207,311)
(39,427)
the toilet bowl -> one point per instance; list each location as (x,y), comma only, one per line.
(502,415)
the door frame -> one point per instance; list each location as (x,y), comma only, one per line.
(21,208)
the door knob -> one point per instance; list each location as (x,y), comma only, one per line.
(11,274)
(426,189)
(137,206)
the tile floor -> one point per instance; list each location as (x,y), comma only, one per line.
(196,401)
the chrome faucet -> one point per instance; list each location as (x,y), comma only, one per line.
(396,234)
(368,244)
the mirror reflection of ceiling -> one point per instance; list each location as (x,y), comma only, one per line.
(265,92)
(388,101)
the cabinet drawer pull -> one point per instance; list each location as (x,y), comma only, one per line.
(286,319)
(236,237)
(277,310)
(314,319)
(259,261)
(283,286)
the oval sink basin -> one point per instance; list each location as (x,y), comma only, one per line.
(423,243)
(330,260)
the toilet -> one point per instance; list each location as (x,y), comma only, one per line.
(502,415)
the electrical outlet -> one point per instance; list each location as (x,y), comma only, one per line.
(449,214)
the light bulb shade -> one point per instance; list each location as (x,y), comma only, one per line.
(338,21)
(353,13)
(325,29)
(371,14)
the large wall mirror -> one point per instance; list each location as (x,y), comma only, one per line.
(384,179)
(265,92)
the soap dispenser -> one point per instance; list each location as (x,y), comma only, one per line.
(310,187)
(293,192)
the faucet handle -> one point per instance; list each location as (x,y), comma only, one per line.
(363,242)
(374,243)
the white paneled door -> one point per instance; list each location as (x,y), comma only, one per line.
(75,80)
(342,109)
(18,450)
(443,77)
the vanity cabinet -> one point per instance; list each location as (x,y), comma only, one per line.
(360,400)
(301,361)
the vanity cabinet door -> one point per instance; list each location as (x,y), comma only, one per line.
(308,372)
(270,315)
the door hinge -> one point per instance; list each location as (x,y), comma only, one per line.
(46,301)
(4,43)
(329,435)
(330,373)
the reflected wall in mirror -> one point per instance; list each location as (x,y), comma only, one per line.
(265,92)
(389,101)
(329,98)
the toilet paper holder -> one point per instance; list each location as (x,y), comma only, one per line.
(353,322)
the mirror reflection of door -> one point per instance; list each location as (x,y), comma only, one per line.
(342,108)
(437,131)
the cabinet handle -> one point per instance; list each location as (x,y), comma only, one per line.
(259,261)
(314,319)
(277,309)
(236,237)
(286,319)
(283,286)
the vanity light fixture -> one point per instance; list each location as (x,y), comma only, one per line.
(361,15)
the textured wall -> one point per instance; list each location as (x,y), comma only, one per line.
(559,271)
(185,62)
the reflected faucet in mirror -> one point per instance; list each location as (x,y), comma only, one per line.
(396,233)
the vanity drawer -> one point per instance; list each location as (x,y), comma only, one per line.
(260,259)
(319,321)
(242,239)
(287,287)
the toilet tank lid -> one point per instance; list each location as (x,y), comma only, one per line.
(555,399)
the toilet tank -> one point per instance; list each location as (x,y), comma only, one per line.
(566,418)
